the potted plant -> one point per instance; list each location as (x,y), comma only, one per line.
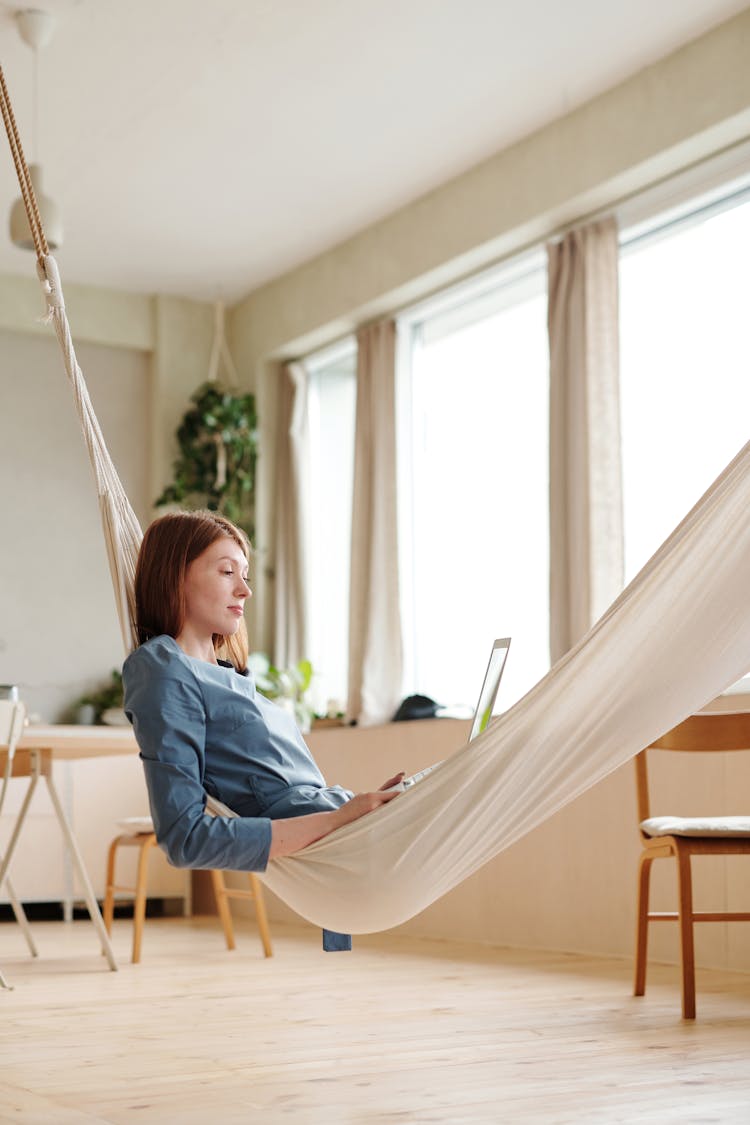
(289,687)
(103,705)
(218,441)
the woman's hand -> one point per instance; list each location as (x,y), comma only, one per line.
(295,833)
(393,781)
(361,804)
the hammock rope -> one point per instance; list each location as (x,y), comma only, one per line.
(22,171)
(122,531)
(674,639)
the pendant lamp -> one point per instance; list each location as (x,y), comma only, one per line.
(35,28)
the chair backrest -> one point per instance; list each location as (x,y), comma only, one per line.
(12,719)
(719,731)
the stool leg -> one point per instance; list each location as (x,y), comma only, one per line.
(260,914)
(222,905)
(139,909)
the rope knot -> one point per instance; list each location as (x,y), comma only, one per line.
(49,276)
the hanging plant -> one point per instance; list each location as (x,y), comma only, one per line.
(218,441)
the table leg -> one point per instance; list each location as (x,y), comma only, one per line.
(88,890)
(68,883)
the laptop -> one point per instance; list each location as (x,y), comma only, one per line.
(483,711)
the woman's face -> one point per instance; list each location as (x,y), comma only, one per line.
(215,589)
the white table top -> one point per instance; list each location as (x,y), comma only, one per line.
(69,742)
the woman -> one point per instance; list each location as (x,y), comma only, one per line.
(200,723)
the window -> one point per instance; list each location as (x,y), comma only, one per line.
(473,486)
(331,406)
(473,442)
(685,367)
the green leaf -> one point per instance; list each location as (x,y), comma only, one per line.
(217,409)
(305,674)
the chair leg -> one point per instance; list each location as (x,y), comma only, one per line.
(687,951)
(109,894)
(139,907)
(222,905)
(641,936)
(4,983)
(20,916)
(144,844)
(260,914)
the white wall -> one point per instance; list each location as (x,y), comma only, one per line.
(58,628)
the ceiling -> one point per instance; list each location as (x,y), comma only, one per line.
(200,148)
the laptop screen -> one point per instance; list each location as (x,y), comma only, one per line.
(490,684)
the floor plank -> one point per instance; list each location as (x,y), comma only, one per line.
(399,1031)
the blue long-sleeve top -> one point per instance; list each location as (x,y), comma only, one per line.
(203,728)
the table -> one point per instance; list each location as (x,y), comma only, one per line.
(73,742)
(33,759)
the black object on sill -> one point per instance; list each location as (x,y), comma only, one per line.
(416,707)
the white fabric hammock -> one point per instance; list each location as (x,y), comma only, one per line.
(673,640)
(122,531)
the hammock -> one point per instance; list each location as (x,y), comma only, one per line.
(674,639)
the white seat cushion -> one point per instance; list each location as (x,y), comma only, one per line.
(696,826)
(136,825)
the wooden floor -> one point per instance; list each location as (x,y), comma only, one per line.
(398,1031)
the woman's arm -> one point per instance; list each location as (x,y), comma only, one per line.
(295,833)
(166,709)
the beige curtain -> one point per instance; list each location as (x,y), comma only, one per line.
(375,654)
(586,537)
(292,512)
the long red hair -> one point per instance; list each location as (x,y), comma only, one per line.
(169,546)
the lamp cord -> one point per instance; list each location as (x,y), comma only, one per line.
(35,108)
(22,171)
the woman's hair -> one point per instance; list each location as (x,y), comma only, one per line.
(169,546)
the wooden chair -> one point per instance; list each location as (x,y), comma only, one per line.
(145,841)
(681,838)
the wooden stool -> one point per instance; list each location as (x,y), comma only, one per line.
(145,842)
